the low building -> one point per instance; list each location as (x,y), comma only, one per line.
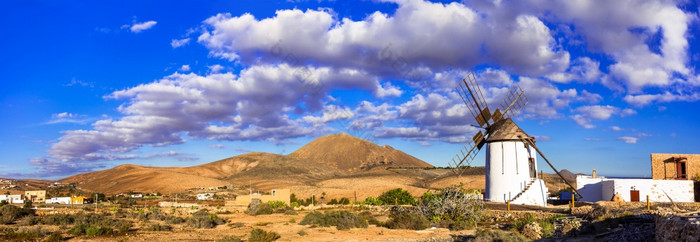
(137,195)
(599,188)
(38,196)
(275,195)
(77,200)
(59,200)
(675,166)
(12,198)
(204,196)
(165,204)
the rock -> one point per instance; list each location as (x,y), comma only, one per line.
(532,231)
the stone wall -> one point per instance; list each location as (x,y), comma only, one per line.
(677,229)
(662,168)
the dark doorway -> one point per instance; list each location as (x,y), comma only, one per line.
(681,171)
(531,164)
(634,195)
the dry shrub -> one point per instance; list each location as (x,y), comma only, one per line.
(484,235)
(342,219)
(203,219)
(259,235)
(403,219)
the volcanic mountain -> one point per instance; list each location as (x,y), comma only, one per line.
(330,156)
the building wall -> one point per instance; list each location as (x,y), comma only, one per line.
(507,170)
(536,194)
(590,188)
(35,196)
(11,198)
(275,195)
(662,168)
(678,190)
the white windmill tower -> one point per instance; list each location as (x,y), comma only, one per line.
(511,162)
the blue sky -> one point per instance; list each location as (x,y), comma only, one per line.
(89,86)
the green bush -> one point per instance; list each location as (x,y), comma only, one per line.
(344,201)
(341,219)
(290,212)
(302,232)
(259,235)
(333,201)
(398,195)
(276,204)
(372,201)
(407,220)
(294,204)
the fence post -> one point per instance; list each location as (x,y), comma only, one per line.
(508,205)
(648,205)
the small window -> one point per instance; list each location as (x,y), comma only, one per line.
(273,192)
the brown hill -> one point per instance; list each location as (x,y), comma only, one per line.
(326,157)
(349,153)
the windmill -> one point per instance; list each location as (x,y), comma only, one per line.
(511,165)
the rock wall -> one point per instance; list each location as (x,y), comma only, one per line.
(677,229)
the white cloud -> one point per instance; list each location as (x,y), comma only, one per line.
(419,34)
(647,99)
(628,139)
(217,146)
(615,128)
(185,68)
(593,112)
(215,68)
(177,43)
(66,117)
(138,27)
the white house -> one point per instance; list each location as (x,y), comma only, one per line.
(137,195)
(599,188)
(204,196)
(12,198)
(58,200)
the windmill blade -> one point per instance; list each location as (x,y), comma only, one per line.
(512,104)
(471,94)
(529,141)
(467,154)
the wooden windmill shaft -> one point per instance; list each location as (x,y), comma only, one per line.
(552,166)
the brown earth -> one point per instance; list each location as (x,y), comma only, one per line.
(339,165)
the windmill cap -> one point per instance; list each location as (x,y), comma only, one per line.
(506,130)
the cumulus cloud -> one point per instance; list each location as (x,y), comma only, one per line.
(185,68)
(177,43)
(419,34)
(139,27)
(585,114)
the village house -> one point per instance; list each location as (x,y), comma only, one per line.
(12,198)
(204,196)
(275,195)
(671,180)
(38,196)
